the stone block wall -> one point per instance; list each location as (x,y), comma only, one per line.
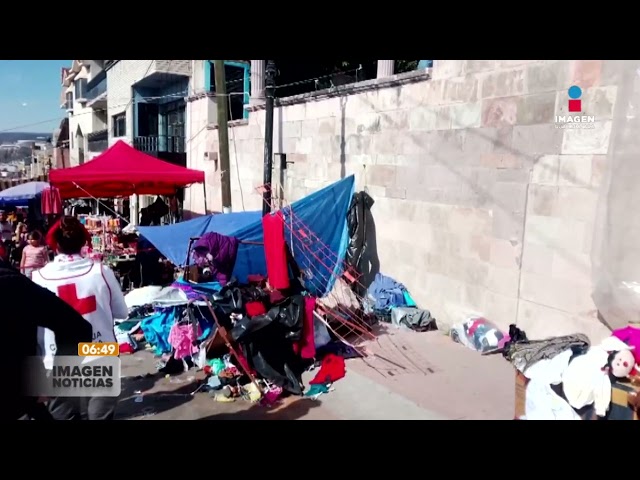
(482,204)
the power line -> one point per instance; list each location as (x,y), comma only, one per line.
(173,95)
(126,105)
(176,95)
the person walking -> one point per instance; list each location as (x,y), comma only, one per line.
(34,255)
(6,229)
(31,307)
(92,289)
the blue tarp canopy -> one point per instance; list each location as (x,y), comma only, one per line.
(318,242)
(20,195)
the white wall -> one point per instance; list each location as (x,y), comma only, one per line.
(123,75)
(201,116)
(82,117)
(120,78)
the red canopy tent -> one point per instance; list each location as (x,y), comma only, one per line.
(122,171)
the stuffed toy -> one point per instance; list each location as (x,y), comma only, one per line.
(621,364)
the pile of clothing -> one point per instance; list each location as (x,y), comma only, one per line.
(391,302)
(570,379)
(276,337)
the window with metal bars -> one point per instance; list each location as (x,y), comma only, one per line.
(119,125)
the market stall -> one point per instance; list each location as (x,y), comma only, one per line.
(120,171)
(242,315)
(21,195)
(38,203)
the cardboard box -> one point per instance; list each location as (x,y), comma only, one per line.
(521,394)
(619,408)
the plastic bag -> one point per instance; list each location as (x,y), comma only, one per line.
(320,333)
(478,334)
(615,254)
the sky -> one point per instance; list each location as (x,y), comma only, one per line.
(30,93)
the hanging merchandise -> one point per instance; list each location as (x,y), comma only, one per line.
(275,251)
(51,201)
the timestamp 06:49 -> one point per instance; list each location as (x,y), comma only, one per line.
(110,349)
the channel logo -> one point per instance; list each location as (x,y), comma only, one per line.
(575,102)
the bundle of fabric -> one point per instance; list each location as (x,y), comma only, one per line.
(216,254)
(167,329)
(340,296)
(523,353)
(391,302)
(196,290)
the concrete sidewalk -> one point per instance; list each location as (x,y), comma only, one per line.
(408,376)
(438,375)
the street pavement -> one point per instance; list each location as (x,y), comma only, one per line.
(405,376)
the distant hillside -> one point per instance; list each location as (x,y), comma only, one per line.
(12,137)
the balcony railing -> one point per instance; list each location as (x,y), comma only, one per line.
(96,90)
(159,143)
(98,141)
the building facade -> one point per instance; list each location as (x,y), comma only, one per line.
(484,205)
(60,141)
(146,109)
(84,99)
(146,104)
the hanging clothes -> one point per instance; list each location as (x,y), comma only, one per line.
(275,251)
(357,223)
(306,347)
(51,201)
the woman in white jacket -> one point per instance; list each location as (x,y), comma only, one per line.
(92,290)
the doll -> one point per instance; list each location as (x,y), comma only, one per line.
(631,336)
(621,364)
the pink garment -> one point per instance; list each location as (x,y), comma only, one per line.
(630,336)
(35,257)
(181,338)
(306,347)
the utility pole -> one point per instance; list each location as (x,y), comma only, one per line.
(223,134)
(270,84)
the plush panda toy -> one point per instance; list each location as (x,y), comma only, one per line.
(621,364)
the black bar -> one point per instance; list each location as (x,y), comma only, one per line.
(270,83)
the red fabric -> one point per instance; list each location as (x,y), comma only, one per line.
(332,370)
(3,252)
(276,297)
(275,251)
(306,347)
(126,348)
(256,280)
(122,171)
(255,308)
(51,201)
(243,363)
